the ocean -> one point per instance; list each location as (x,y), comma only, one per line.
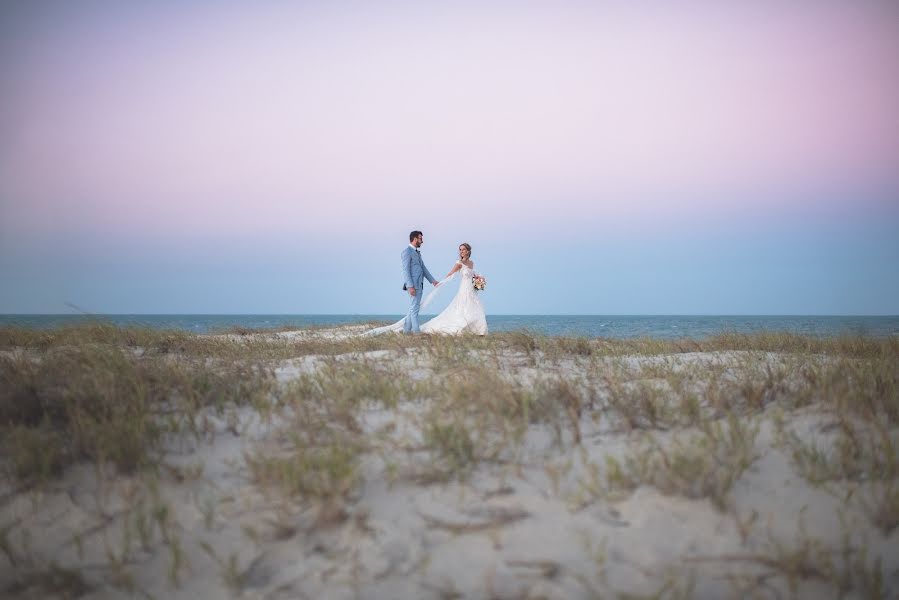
(609,326)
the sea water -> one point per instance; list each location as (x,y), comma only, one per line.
(610,326)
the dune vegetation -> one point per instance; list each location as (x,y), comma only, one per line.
(319,463)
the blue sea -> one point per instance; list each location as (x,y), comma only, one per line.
(611,326)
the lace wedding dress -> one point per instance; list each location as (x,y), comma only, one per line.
(465,313)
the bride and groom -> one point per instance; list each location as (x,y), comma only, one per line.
(465,314)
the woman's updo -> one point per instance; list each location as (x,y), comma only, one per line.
(467,247)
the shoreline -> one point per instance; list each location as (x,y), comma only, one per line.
(610,326)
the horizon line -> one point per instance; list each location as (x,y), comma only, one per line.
(229,314)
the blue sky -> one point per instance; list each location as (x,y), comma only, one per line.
(823,268)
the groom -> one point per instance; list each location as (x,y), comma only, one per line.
(414,272)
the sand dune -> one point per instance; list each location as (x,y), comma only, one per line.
(447,470)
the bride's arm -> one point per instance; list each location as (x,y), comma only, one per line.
(455,268)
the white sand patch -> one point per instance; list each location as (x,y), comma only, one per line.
(524,528)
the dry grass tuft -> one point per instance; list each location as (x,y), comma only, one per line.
(697,466)
(105,404)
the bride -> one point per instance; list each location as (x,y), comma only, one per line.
(465,314)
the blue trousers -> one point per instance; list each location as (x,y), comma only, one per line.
(410,325)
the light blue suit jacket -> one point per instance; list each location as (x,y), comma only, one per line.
(414,269)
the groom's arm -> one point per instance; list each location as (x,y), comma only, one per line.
(428,273)
(406,258)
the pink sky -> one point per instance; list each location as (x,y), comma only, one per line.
(658,157)
(275,118)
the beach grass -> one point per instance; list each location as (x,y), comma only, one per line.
(690,419)
(110,394)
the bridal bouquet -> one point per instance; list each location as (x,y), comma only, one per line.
(479,282)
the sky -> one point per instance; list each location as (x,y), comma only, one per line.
(600,157)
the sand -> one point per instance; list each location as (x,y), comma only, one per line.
(522,528)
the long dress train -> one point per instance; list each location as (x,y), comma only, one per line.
(465,313)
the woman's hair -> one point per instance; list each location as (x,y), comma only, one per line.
(467,247)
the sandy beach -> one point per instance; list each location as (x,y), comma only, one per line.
(317,464)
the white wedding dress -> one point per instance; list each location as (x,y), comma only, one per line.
(465,313)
